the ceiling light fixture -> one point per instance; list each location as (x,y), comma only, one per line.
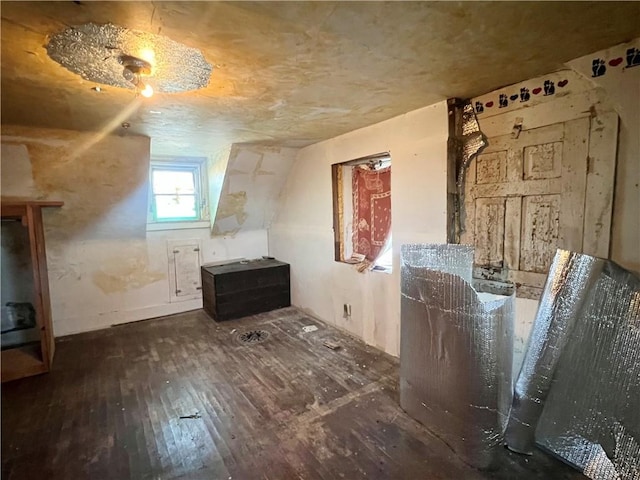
(135,69)
(147,91)
(112,55)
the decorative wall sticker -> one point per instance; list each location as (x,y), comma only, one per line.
(598,67)
(633,57)
(549,88)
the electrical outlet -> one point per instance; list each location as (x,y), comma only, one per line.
(347,310)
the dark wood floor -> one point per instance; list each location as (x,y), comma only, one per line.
(287,408)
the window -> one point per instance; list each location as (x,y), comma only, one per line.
(177,191)
(385,259)
(362,212)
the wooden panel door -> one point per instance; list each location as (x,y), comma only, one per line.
(527,196)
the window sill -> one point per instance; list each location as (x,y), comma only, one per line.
(376,268)
(161,226)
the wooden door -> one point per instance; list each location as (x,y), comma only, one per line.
(528,194)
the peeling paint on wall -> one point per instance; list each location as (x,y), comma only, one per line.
(104,268)
(17,179)
(224,233)
(104,187)
(123,274)
(216,168)
(249,195)
(232,204)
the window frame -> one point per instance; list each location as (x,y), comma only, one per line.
(194,165)
(339,225)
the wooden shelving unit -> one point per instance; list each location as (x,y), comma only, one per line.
(34,357)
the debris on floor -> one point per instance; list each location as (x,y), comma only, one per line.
(309,328)
(195,415)
(331,345)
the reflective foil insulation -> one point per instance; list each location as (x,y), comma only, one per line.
(473,142)
(578,393)
(466,141)
(456,351)
(94,51)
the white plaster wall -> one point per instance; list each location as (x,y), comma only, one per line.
(622,89)
(104,267)
(302,233)
(98,283)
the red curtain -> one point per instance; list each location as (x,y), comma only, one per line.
(371,210)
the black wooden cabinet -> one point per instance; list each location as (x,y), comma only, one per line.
(245,288)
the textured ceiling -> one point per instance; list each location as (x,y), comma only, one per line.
(294,73)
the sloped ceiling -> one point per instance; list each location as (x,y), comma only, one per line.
(294,73)
(254,178)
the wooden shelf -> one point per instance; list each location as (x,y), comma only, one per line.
(19,337)
(22,361)
(32,358)
(18,201)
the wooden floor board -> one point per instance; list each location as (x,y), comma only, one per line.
(288,408)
